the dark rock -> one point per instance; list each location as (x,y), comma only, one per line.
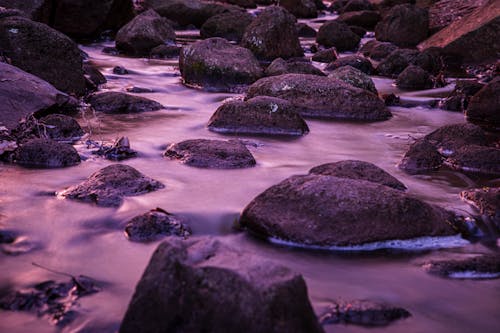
(377,50)
(273,35)
(60,127)
(44,153)
(230,25)
(444,12)
(484,106)
(480,267)
(353,169)
(414,78)
(7,236)
(303,30)
(118,103)
(322,97)
(120,150)
(325,56)
(300,8)
(119,70)
(366,18)
(396,62)
(294,65)
(354,77)
(241,3)
(217,65)
(485,199)
(459,98)
(37,10)
(403,25)
(44,52)
(362,312)
(447,139)
(318,210)
(143,33)
(356,5)
(336,6)
(108,186)
(391,99)
(93,75)
(339,35)
(6,12)
(421,157)
(259,115)
(154,225)
(165,52)
(212,154)
(476,160)
(203,285)
(432,60)
(356,61)
(361,32)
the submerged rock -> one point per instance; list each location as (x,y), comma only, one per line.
(337,34)
(258,115)
(213,154)
(481,267)
(414,78)
(298,66)
(354,77)
(44,153)
(230,25)
(484,106)
(108,186)
(154,225)
(119,103)
(202,285)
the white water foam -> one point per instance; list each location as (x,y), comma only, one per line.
(474,275)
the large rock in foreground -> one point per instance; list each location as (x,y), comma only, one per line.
(322,97)
(203,286)
(326,211)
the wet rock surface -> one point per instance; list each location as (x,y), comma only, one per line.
(354,77)
(230,25)
(377,50)
(484,105)
(480,267)
(338,35)
(216,288)
(459,98)
(447,139)
(154,225)
(120,103)
(367,19)
(120,150)
(295,65)
(358,62)
(444,12)
(414,78)
(421,157)
(475,160)
(45,153)
(108,186)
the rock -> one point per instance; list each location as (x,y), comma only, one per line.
(203,285)
(458,99)
(44,153)
(485,199)
(8,142)
(273,35)
(354,77)
(119,70)
(480,267)
(37,10)
(414,78)
(484,106)
(7,237)
(120,150)
(93,75)
(322,97)
(356,61)
(258,115)
(325,56)
(336,6)
(241,3)
(403,25)
(230,25)
(300,8)
(366,18)
(421,157)
(475,38)
(327,211)
(361,32)
(154,225)
(217,65)
(303,30)
(337,34)
(294,65)
(119,103)
(377,50)
(143,33)
(58,59)
(447,139)
(478,160)
(362,312)
(356,5)
(353,169)
(434,61)
(165,52)
(444,12)
(22,94)
(396,62)
(108,186)
(61,128)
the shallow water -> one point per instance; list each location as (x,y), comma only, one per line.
(82,239)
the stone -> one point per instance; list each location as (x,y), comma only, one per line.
(300,8)
(354,77)
(356,5)
(45,153)
(322,97)
(404,25)
(479,267)
(217,65)
(337,34)
(203,285)
(212,154)
(326,55)
(143,33)
(241,3)
(367,19)
(377,50)
(120,103)
(447,139)
(119,70)
(327,211)
(37,10)
(280,66)
(396,62)
(303,30)
(356,61)
(485,199)
(8,143)
(484,106)
(420,158)
(154,225)
(458,99)
(478,160)
(272,34)
(229,25)
(259,115)
(61,128)
(58,59)
(414,78)
(360,31)
(120,150)
(93,75)
(444,12)
(108,186)
(353,169)
(165,52)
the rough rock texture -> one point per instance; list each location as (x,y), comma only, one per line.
(337,34)
(414,78)
(353,169)
(356,61)
(326,56)
(202,285)
(377,50)
(330,211)
(295,65)
(444,12)
(396,62)
(44,153)
(230,25)
(60,127)
(354,77)
(367,19)
(300,8)
(403,25)
(217,65)
(143,33)
(108,186)
(154,225)
(484,106)
(322,97)
(258,115)
(44,52)
(485,266)
(118,103)
(273,35)
(475,38)
(476,160)
(93,75)
(212,154)
(459,98)
(421,157)
(22,94)
(486,200)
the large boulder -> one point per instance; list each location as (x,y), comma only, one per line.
(354,77)
(337,34)
(396,62)
(322,97)
(328,211)
(273,35)
(295,65)
(202,285)
(230,25)
(45,153)
(484,106)
(404,25)
(447,139)
(475,38)
(444,12)
(143,33)
(258,115)
(44,52)
(367,19)
(300,8)
(119,103)
(216,64)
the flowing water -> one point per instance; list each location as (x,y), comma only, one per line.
(79,238)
